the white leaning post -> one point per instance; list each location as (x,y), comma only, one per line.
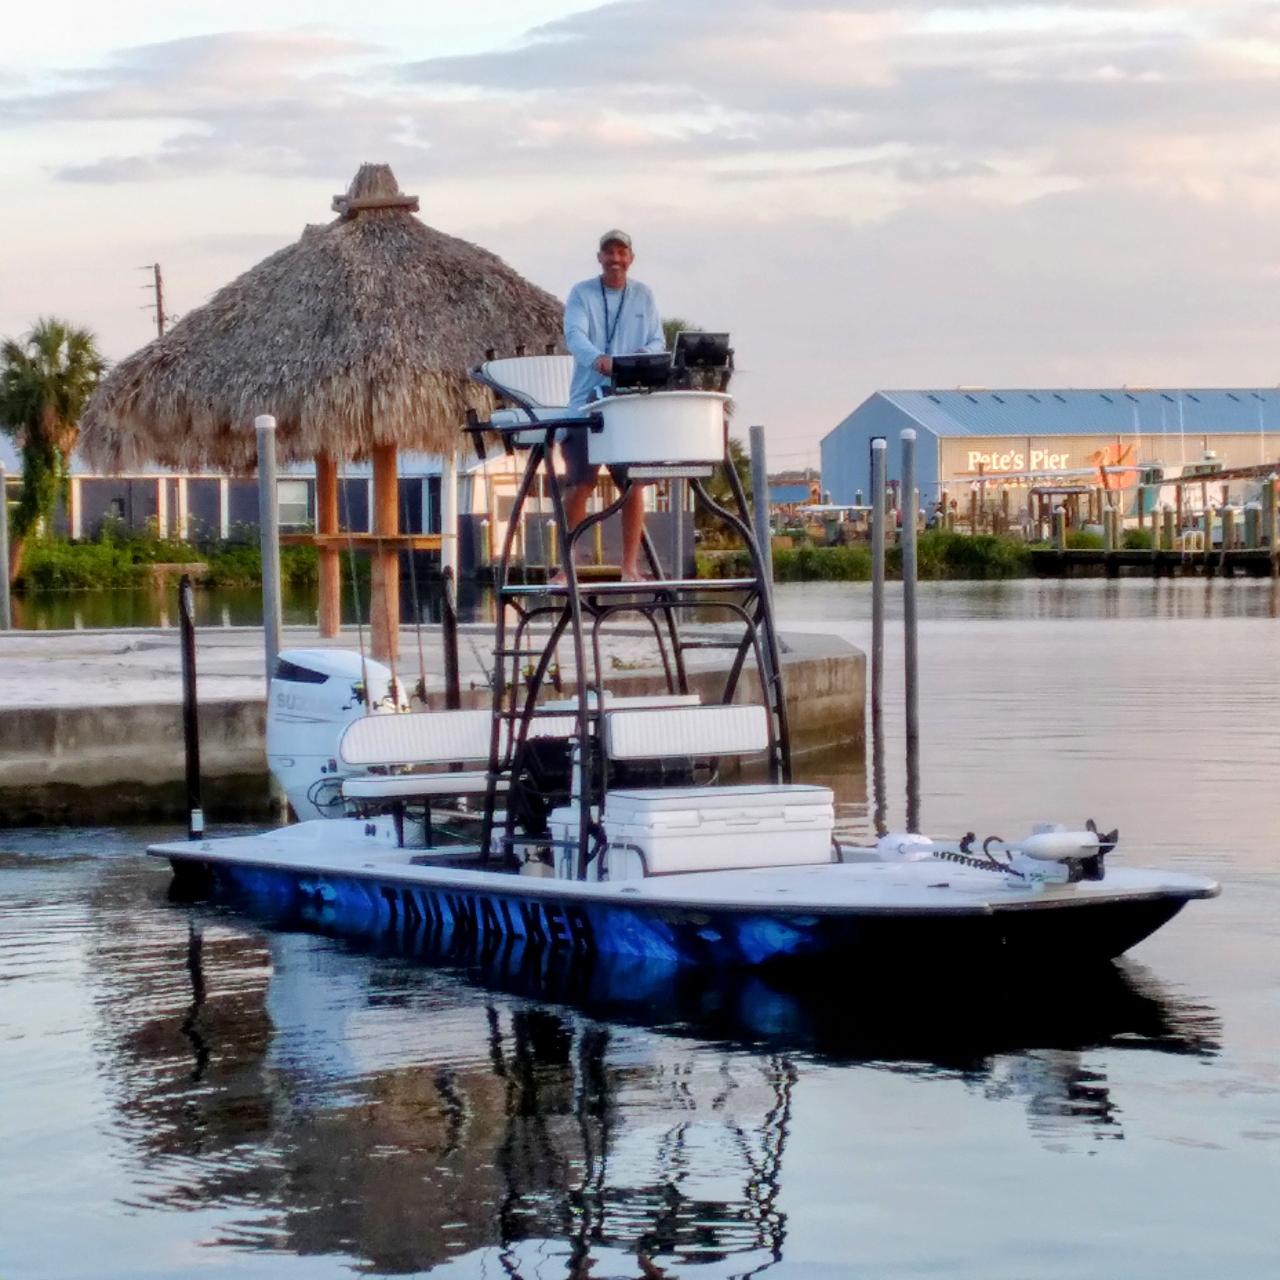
(269,538)
(449,515)
(6,620)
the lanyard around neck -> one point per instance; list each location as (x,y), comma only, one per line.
(611,329)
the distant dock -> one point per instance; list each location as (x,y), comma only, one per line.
(1253,562)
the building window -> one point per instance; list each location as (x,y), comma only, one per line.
(293,497)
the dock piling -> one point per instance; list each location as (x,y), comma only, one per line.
(449,638)
(909,626)
(760,502)
(190,708)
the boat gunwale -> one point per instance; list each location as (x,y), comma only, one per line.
(612,895)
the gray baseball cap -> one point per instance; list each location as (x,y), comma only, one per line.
(615,236)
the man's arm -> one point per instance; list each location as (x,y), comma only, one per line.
(654,341)
(576,328)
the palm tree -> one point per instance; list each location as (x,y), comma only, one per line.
(44,382)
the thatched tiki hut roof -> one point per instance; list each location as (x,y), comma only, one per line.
(357,339)
(359,334)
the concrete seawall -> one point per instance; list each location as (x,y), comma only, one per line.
(121,758)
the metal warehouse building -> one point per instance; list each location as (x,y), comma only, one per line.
(969,434)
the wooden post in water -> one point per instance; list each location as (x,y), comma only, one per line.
(449,639)
(1060,529)
(1252,521)
(190,708)
(1228,528)
(330,611)
(1269,524)
(1170,530)
(384,586)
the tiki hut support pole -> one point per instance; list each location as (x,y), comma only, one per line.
(269,534)
(384,604)
(449,515)
(330,619)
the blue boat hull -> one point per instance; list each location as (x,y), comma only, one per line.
(458,919)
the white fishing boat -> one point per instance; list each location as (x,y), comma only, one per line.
(666,826)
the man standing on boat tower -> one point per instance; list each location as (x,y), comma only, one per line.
(604,317)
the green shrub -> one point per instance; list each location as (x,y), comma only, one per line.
(121,559)
(721,564)
(1137,539)
(53,565)
(941,553)
(825,564)
(233,564)
(1084,540)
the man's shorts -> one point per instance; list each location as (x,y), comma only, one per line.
(577,467)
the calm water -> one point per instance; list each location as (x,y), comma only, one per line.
(186,1093)
(223,606)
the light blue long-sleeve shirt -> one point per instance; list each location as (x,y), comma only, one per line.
(638,330)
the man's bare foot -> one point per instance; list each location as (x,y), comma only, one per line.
(634,575)
(558,579)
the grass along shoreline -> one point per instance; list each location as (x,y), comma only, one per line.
(116,563)
(939,555)
(130,562)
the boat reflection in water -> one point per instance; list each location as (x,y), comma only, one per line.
(521,1113)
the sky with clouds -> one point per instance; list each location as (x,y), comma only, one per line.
(865,194)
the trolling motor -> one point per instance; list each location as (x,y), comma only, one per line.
(1049,855)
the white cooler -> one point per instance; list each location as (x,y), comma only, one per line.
(723,828)
(658,427)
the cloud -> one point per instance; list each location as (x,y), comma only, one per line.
(867,194)
(1035,96)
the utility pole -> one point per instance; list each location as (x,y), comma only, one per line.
(158,286)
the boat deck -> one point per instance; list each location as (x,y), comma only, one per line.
(354,849)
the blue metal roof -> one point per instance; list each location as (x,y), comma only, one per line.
(1123,411)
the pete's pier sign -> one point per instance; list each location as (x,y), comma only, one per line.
(1018,460)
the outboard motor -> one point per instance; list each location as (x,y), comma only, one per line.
(315,694)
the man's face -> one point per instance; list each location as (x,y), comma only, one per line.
(615,260)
